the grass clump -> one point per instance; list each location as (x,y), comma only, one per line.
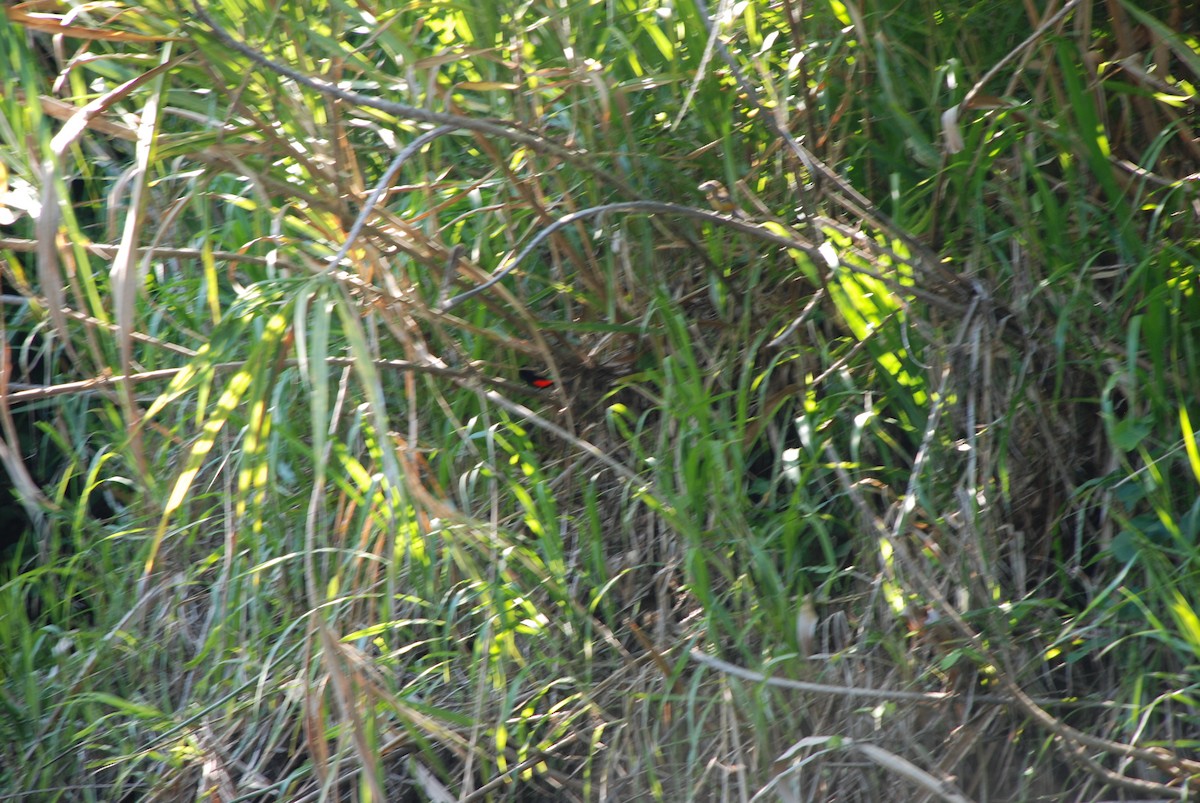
(877,482)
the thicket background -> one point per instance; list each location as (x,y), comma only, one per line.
(878,483)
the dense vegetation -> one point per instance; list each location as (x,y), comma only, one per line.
(879,482)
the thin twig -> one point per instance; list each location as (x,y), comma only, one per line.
(500,129)
(651,207)
(923,697)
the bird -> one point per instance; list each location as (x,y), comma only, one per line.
(535,379)
(719,198)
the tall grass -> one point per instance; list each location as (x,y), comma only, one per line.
(881,488)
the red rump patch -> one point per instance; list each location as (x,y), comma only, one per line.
(533,378)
